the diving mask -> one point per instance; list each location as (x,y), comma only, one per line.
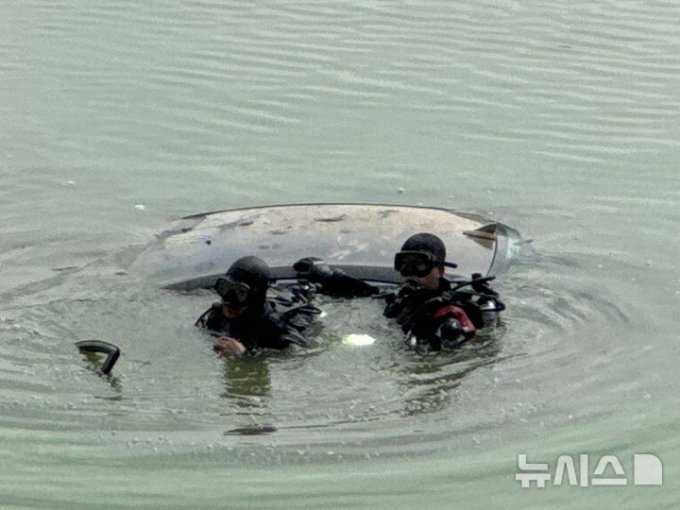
(417,263)
(234,292)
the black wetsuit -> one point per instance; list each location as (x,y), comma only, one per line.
(259,327)
(403,305)
(435,317)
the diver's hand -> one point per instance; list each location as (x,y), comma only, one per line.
(313,269)
(228,346)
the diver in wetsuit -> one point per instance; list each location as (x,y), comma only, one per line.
(433,311)
(245,321)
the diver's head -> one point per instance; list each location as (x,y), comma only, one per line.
(422,260)
(244,285)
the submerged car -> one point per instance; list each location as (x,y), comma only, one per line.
(359,239)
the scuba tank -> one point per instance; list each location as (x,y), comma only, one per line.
(490,313)
(488,303)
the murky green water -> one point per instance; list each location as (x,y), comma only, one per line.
(560,119)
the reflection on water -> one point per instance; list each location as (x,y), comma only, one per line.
(251,431)
(246,378)
(247,393)
(429,382)
(94,364)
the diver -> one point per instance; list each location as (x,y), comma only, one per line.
(245,321)
(433,312)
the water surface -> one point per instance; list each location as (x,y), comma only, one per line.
(557,118)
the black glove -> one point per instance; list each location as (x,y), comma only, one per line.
(333,281)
